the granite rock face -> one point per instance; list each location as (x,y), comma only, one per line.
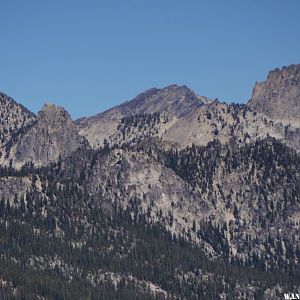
(53,135)
(13,117)
(279,96)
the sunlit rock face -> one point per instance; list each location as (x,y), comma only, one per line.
(279,96)
(51,136)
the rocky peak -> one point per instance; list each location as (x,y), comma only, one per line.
(53,135)
(279,96)
(173,100)
(11,103)
(52,114)
(13,113)
(13,116)
(48,105)
(290,72)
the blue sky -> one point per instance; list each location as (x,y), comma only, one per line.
(91,55)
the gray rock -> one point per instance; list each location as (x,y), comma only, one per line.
(173,101)
(53,135)
(13,117)
(279,96)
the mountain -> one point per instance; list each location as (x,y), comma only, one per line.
(167,196)
(13,117)
(174,101)
(279,96)
(176,117)
(214,220)
(226,123)
(53,135)
(39,139)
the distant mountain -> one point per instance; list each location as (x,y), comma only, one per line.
(174,101)
(176,116)
(167,196)
(279,96)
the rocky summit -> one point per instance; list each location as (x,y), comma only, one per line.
(279,96)
(172,101)
(51,135)
(168,196)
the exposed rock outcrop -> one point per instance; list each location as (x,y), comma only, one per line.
(13,117)
(279,96)
(53,135)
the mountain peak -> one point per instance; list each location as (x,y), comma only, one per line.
(50,113)
(176,87)
(13,117)
(53,135)
(48,106)
(5,100)
(285,72)
(278,97)
(173,100)
(172,86)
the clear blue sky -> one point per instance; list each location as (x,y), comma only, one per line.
(91,55)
